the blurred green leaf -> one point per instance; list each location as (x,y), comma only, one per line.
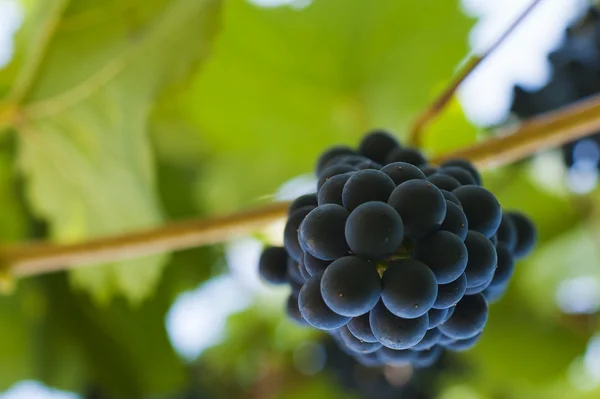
(83,144)
(284,83)
(521,347)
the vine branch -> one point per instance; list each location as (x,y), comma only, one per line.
(540,133)
(440,102)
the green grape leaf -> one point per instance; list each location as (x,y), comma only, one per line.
(83,137)
(285,83)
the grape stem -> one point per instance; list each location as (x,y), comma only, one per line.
(542,132)
(473,61)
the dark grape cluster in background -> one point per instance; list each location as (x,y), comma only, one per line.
(575,76)
(395,258)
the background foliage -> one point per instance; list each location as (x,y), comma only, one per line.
(122,114)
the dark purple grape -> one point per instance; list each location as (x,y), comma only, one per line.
(421,206)
(449,294)
(456,221)
(314,265)
(302,201)
(507,232)
(351,286)
(408,155)
(469,318)
(359,326)
(377,145)
(395,332)
(444,182)
(374,230)
(481,207)
(445,253)
(331,191)
(409,288)
(526,234)
(322,233)
(365,186)
(272,265)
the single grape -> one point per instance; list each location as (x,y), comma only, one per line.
(331,153)
(377,145)
(463,345)
(374,230)
(395,332)
(272,265)
(290,234)
(314,265)
(469,318)
(421,206)
(445,253)
(408,155)
(331,191)
(359,326)
(400,172)
(395,357)
(334,170)
(526,234)
(463,163)
(314,310)
(409,288)
(481,207)
(451,197)
(429,340)
(444,182)
(428,170)
(427,358)
(507,232)
(482,259)
(355,344)
(322,233)
(302,201)
(367,185)
(506,265)
(437,317)
(456,221)
(449,294)
(351,286)
(293,311)
(463,176)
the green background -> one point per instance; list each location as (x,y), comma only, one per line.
(118,115)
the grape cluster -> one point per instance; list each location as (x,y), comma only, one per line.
(575,75)
(396,258)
